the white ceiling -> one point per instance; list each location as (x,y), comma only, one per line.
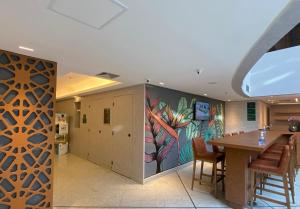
(162,40)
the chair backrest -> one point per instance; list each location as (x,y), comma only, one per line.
(235,134)
(228,134)
(292,143)
(295,144)
(284,159)
(241,132)
(199,147)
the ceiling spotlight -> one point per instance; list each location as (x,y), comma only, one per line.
(77,99)
(161,83)
(205,94)
(199,71)
(229,100)
(26,48)
(296,99)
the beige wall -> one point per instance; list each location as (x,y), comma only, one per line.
(236,117)
(79,143)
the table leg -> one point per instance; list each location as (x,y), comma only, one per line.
(238,177)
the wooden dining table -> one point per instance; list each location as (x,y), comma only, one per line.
(240,151)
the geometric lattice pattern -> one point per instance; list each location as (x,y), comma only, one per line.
(27,96)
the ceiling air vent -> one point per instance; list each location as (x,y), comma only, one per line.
(248,88)
(107,75)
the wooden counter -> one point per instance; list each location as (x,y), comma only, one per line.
(240,150)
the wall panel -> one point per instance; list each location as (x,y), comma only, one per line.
(170,127)
(27,98)
(80,140)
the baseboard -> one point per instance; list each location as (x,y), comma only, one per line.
(164,173)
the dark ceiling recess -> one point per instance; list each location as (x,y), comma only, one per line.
(107,75)
(291,39)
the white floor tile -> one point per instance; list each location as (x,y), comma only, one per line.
(80,184)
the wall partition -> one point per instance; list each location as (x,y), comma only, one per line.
(27,97)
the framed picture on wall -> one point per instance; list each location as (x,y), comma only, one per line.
(251,111)
(106,115)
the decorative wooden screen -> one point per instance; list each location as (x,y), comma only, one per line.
(27,97)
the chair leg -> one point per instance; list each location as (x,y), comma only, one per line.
(215,177)
(201,172)
(286,191)
(212,174)
(223,176)
(194,171)
(255,182)
(261,179)
(253,189)
(291,181)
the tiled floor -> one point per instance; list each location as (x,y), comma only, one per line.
(81,184)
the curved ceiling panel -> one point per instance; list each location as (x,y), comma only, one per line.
(278,68)
(276,73)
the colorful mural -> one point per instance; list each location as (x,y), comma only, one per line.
(170,127)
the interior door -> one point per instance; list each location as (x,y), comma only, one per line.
(94,130)
(122,134)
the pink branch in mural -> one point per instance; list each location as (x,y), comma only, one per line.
(162,139)
(165,151)
(165,126)
(150,157)
(149,139)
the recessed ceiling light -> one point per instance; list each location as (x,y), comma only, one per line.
(26,48)
(205,94)
(229,100)
(212,83)
(296,99)
(161,83)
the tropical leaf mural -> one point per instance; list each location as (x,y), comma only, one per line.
(170,127)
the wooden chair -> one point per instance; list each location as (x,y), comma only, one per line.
(279,168)
(235,134)
(228,134)
(274,153)
(201,154)
(241,132)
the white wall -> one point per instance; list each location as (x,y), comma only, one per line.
(236,117)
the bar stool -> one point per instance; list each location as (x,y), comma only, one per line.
(271,167)
(273,156)
(201,154)
(276,150)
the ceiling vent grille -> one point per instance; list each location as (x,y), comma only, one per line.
(93,13)
(107,75)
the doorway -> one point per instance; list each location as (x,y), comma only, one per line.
(122,119)
(110,124)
